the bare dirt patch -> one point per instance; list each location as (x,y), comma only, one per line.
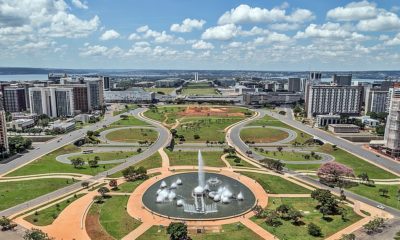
(210,111)
(94,228)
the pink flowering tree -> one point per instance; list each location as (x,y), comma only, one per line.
(334,172)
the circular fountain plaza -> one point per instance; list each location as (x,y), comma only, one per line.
(198,196)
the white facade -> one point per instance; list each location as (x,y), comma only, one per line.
(392,130)
(52,101)
(376,100)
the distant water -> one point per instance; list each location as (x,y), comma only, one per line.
(23,77)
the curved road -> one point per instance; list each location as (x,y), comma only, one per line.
(233,139)
(162,141)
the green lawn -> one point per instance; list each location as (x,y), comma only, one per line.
(357,164)
(234,231)
(48,215)
(165,91)
(201,88)
(130,121)
(128,187)
(168,113)
(106,156)
(262,135)
(154,161)
(14,193)
(288,156)
(275,184)
(211,158)
(132,135)
(48,164)
(114,218)
(391,199)
(299,167)
(307,205)
(270,121)
(242,163)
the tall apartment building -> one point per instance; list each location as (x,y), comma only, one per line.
(392,130)
(342,80)
(315,78)
(95,93)
(52,101)
(376,100)
(326,99)
(106,83)
(14,99)
(3,132)
(294,84)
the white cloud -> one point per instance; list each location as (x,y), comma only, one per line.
(142,29)
(109,35)
(246,14)
(385,21)
(79,4)
(134,36)
(272,37)
(354,11)
(329,30)
(394,41)
(187,25)
(202,45)
(284,26)
(223,32)
(99,50)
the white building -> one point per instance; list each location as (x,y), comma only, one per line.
(376,100)
(21,124)
(131,95)
(326,99)
(392,130)
(52,101)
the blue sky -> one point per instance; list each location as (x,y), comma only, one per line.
(208,34)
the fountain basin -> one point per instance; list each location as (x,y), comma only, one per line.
(228,205)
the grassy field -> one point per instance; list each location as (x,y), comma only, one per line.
(391,199)
(306,167)
(106,156)
(113,216)
(234,231)
(49,164)
(132,135)
(211,159)
(130,121)
(125,109)
(242,163)
(166,113)
(275,184)
(154,161)
(262,135)
(128,187)
(270,121)
(307,205)
(14,193)
(48,215)
(357,164)
(164,91)
(288,156)
(201,88)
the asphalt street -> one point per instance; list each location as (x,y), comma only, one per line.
(161,142)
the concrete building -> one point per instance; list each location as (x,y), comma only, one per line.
(392,130)
(326,99)
(128,96)
(95,93)
(294,84)
(56,77)
(375,100)
(341,80)
(19,115)
(52,101)
(343,128)
(14,99)
(65,126)
(315,78)
(168,83)
(323,120)
(260,98)
(106,83)
(21,124)
(3,132)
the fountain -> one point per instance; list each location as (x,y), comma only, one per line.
(212,195)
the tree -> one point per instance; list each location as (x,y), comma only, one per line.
(350,236)
(90,134)
(383,191)
(363,176)
(327,202)
(334,172)
(272,218)
(374,225)
(103,191)
(380,130)
(85,184)
(280,148)
(113,184)
(273,164)
(177,231)
(283,210)
(259,212)
(230,150)
(98,199)
(196,136)
(77,162)
(294,215)
(131,173)
(19,144)
(36,234)
(93,163)
(6,224)
(314,230)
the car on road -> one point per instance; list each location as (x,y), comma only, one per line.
(381,207)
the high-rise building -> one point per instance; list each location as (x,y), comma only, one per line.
(95,93)
(52,101)
(341,80)
(106,83)
(14,99)
(392,130)
(376,100)
(315,78)
(326,99)
(294,84)
(3,132)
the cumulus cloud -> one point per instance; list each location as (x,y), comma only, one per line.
(394,41)
(109,35)
(202,45)
(328,30)
(187,25)
(144,32)
(246,14)
(223,32)
(99,50)
(79,4)
(354,11)
(385,21)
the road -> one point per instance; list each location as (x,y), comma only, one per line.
(233,139)
(162,141)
